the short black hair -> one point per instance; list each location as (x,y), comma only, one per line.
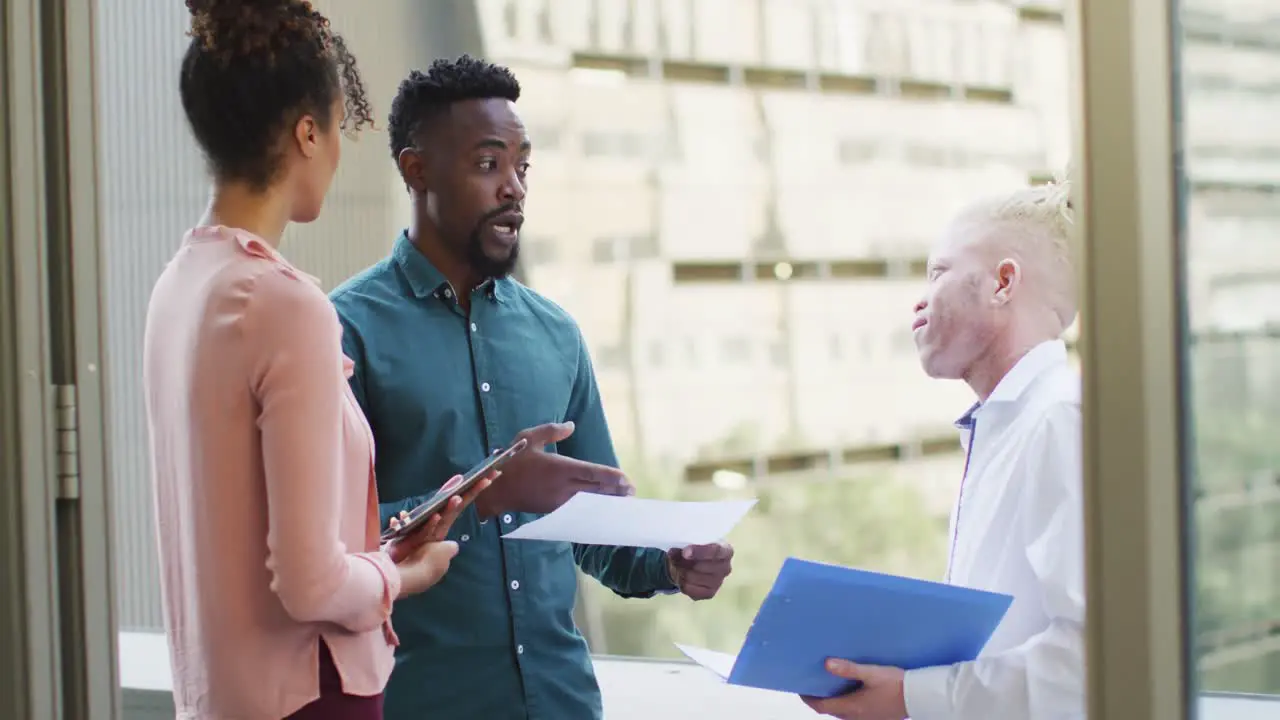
(424,95)
(254,67)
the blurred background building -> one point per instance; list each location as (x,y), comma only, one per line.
(735,198)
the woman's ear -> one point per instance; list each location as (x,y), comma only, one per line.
(307,134)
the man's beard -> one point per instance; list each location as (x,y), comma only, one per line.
(484,266)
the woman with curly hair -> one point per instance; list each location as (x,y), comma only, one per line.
(277,594)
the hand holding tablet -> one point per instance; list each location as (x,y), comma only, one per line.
(446,503)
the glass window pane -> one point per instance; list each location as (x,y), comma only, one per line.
(1230,83)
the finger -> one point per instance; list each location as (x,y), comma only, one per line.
(543,435)
(469,496)
(849,670)
(422,534)
(695,592)
(701,588)
(444,520)
(708,572)
(599,479)
(711,552)
(431,527)
(396,551)
(814,703)
(708,566)
(402,547)
(436,557)
(832,707)
(437,553)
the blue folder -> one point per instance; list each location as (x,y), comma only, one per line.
(817,611)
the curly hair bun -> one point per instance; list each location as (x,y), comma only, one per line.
(211,7)
(241,27)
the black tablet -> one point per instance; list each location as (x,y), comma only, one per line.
(459,485)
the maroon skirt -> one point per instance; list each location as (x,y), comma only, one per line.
(334,704)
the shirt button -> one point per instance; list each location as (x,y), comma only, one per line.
(448,293)
(466,538)
(515,584)
(507,518)
(473,327)
(484,387)
(519,649)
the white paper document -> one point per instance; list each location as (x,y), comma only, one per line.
(717,662)
(636,522)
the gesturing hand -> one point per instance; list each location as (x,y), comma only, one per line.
(879,697)
(700,570)
(537,481)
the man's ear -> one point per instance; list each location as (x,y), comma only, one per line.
(413,168)
(1008,277)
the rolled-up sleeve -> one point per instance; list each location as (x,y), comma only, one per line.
(292,338)
(1043,678)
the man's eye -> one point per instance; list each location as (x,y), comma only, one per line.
(488,164)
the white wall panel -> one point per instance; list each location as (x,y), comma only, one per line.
(570,24)
(727,31)
(708,371)
(1041,71)
(703,219)
(152,189)
(789,31)
(677,30)
(628,106)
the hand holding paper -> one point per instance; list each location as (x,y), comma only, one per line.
(699,570)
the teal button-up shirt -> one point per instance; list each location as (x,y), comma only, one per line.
(495,639)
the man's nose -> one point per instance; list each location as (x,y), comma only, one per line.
(512,191)
(921,304)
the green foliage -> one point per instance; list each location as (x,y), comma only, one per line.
(1235,421)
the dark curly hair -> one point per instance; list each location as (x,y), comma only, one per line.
(252,69)
(423,96)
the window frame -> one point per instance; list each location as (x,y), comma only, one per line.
(29,665)
(57,529)
(1125,127)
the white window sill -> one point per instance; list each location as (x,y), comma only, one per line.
(633,689)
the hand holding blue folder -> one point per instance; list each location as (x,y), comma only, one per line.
(817,611)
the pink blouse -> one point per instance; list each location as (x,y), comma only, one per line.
(264,490)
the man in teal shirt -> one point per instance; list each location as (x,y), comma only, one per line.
(453,359)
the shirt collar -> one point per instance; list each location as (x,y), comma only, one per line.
(250,244)
(1046,355)
(425,279)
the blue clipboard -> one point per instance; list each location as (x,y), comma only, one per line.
(817,611)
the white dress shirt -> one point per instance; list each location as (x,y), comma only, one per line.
(1018,528)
